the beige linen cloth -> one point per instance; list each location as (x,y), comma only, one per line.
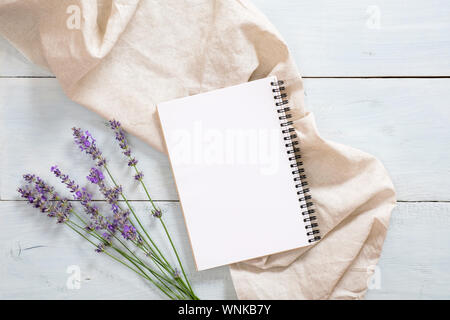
(119,58)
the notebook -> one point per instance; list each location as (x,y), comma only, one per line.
(238,171)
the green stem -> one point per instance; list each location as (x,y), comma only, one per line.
(176,254)
(82,235)
(143,274)
(133,261)
(135,216)
(100,238)
(160,277)
(166,231)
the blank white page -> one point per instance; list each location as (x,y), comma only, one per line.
(233,174)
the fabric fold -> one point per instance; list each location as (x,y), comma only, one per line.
(353,197)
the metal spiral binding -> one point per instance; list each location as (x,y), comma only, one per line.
(294,157)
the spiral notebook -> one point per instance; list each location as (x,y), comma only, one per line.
(237,166)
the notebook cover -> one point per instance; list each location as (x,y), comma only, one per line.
(232,173)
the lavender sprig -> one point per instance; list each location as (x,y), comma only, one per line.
(120,220)
(86,143)
(120,217)
(85,198)
(123,144)
(42,196)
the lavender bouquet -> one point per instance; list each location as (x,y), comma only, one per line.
(119,234)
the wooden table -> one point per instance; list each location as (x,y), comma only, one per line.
(377,77)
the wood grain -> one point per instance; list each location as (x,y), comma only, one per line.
(364,37)
(13,63)
(415,260)
(35,122)
(36,254)
(403,122)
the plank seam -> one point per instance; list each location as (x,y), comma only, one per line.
(162,200)
(375,77)
(27,77)
(303,77)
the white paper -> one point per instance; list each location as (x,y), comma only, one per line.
(233,174)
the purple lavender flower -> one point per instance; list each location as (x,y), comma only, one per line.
(85,198)
(111,195)
(120,217)
(29,177)
(177,274)
(100,248)
(71,185)
(86,143)
(42,196)
(95,176)
(123,143)
(56,171)
(120,136)
(132,162)
(139,176)
(157,213)
(107,236)
(129,232)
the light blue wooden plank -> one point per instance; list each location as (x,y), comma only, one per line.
(403,122)
(415,261)
(351,38)
(364,37)
(35,129)
(36,254)
(13,63)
